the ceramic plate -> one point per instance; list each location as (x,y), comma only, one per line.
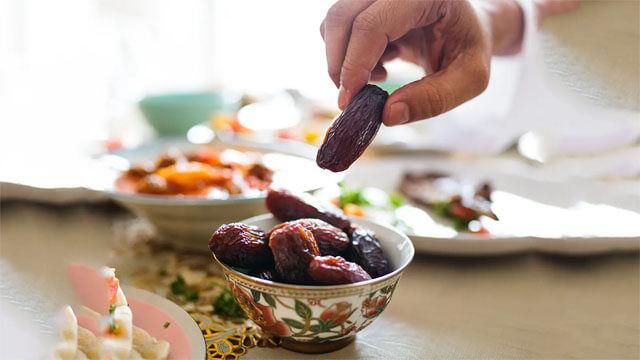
(293,165)
(187,222)
(150,312)
(538,213)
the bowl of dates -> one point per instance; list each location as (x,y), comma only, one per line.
(184,189)
(308,274)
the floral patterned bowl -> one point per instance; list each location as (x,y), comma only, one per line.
(318,319)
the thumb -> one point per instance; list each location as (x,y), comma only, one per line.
(465,78)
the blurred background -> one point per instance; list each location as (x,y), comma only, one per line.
(74,73)
(79,67)
(554,140)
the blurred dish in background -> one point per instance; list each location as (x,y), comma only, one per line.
(205,171)
(275,112)
(176,113)
(187,220)
(285,115)
(426,203)
(536,213)
(463,203)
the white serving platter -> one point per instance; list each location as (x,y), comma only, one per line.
(538,212)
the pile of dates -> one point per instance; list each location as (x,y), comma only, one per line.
(316,245)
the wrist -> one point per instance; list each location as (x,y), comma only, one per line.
(506,25)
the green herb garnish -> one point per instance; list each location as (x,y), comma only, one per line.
(357,196)
(441,208)
(112,309)
(179,287)
(191,294)
(460,224)
(396,200)
(349,195)
(226,305)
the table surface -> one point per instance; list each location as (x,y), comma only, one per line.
(523,306)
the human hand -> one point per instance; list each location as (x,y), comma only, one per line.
(451,40)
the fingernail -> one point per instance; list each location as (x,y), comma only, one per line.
(344,97)
(398,114)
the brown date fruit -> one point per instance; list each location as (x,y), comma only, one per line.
(293,247)
(353,130)
(335,270)
(287,206)
(365,251)
(330,239)
(241,245)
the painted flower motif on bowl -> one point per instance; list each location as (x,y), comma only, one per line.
(261,314)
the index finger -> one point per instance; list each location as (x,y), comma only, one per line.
(372,30)
(336,28)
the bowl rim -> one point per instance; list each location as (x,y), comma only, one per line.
(171,200)
(375,281)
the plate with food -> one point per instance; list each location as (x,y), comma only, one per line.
(309,274)
(107,324)
(470,210)
(185,189)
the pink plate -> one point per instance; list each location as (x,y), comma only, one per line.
(150,312)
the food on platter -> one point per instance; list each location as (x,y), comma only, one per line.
(116,338)
(318,245)
(76,342)
(353,130)
(204,172)
(460,202)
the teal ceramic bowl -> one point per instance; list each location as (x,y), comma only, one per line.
(176,113)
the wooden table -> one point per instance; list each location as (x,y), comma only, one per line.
(524,306)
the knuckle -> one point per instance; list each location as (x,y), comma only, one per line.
(351,67)
(337,15)
(353,75)
(365,22)
(434,100)
(334,72)
(480,73)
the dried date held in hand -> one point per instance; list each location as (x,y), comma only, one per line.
(241,245)
(353,130)
(366,251)
(287,206)
(330,239)
(293,248)
(334,270)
